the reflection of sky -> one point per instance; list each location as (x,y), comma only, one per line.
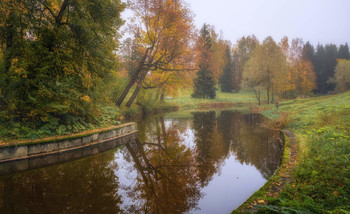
(230,187)
(227,191)
(127,177)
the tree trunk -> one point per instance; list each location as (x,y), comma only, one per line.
(127,88)
(156,98)
(137,90)
(59,17)
(137,162)
(133,96)
(162,96)
(268,86)
(272,95)
(257,95)
(133,79)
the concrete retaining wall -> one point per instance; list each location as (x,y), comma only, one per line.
(60,157)
(18,152)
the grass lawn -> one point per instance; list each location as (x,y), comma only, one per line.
(322,174)
(185,101)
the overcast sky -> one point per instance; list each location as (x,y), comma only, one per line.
(317,21)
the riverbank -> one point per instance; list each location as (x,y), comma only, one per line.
(320,178)
(322,131)
(110,115)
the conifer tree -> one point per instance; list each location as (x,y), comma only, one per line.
(309,52)
(226,79)
(204,83)
(343,52)
(330,62)
(319,65)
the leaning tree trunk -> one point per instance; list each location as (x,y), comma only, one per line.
(127,88)
(133,96)
(133,79)
(137,90)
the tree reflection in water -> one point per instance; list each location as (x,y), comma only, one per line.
(171,175)
(175,160)
(167,181)
(88,185)
(249,142)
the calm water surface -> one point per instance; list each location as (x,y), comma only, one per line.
(201,162)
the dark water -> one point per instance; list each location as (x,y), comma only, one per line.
(203,162)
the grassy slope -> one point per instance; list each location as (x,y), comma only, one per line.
(185,101)
(322,176)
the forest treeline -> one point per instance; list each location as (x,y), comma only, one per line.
(61,61)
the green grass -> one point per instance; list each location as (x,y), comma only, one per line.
(322,176)
(185,101)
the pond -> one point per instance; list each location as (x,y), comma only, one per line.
(183,162)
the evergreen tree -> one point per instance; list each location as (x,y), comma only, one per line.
(319,66)
(226,77)
(329,64)
(236,83)
(343,52)
(204,83)
(309,52)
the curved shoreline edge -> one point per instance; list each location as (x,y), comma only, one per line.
(281,177)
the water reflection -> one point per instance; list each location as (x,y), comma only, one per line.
(249,142)
(176,166)
(210,147)
(88,185)
(167,182)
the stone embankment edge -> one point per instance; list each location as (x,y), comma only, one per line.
(281,177)
(29,150)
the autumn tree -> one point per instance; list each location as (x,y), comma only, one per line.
(265,70)
(204,83)
(162,31)
(301,75)
(243,51)
(306,78)
(342,76)
(219,52)
(226,79)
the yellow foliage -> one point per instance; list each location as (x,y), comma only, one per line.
(86,98)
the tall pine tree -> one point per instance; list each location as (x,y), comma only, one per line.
(343,52)
(330,64)
(204,83)
(319,66)
(226,79)
(309,52)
